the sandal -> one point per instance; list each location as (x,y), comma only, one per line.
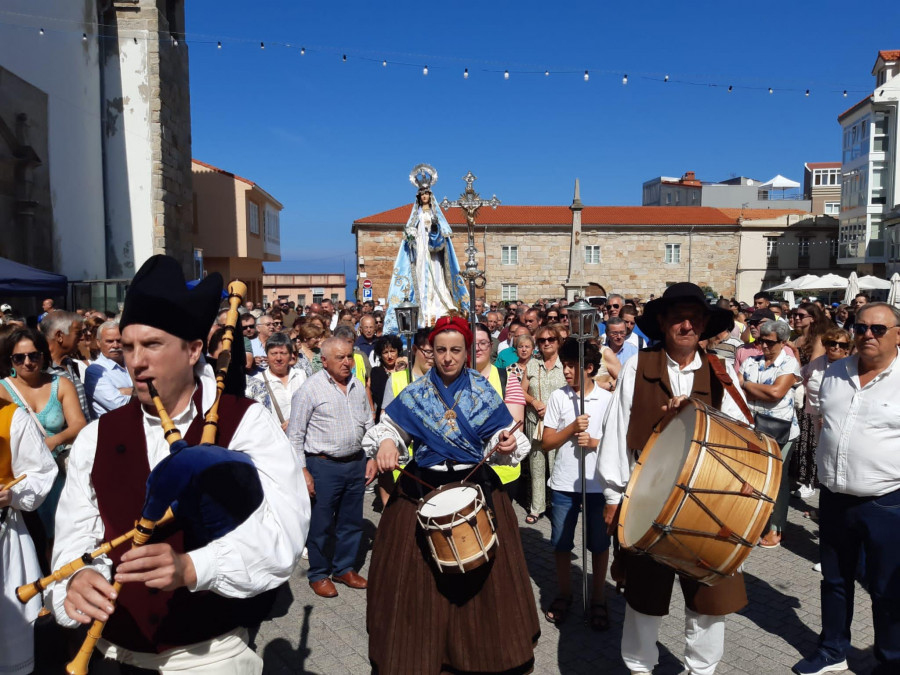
(532,518)
(558,610)
(599,619)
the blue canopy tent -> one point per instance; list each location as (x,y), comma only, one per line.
(19,279)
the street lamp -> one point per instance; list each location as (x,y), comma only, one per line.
(407,314)
(582,319)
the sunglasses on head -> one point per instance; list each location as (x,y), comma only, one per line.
(19,359)
(835,343)
(878,330)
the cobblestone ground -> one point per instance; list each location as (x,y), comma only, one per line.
(313,635)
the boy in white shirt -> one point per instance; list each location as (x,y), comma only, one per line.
(569,431)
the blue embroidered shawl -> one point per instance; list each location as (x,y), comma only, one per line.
(480,413)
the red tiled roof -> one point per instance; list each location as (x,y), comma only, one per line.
(854,107)
(223,171)
(823,165)
(562,215)
(763,214)
(889,54)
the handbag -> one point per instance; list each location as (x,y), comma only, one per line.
(777,428)
(538,434)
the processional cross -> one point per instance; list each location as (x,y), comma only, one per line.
(471,202)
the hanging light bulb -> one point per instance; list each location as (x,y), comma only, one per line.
(625,78)
(807,93)
(505,74)
(84,37)
(425,70)
(41,31)
(546,73)
(219,45)
(384,64)
(845,93)
(344,58)
(262,45)
(771,91)
(302,51)
(174,41)
(586,76)
(730,89)
(466,74)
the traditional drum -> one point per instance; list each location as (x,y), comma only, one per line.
(701,493)
(459,529)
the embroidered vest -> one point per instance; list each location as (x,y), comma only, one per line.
(149,620)
(652,390)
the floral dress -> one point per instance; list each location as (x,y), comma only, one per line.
(803,460)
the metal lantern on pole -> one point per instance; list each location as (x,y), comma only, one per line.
(582,320)
(407,314)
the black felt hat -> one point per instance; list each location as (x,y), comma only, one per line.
(159,297)
(719,319)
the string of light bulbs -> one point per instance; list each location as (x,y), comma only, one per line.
(424,63)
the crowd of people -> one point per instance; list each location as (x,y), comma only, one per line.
(345,409)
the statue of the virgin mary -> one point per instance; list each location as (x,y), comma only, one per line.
(426,270)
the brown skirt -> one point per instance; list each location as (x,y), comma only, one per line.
(423,621)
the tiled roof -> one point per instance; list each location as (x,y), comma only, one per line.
(823,165)
(889,54)
(763,214)
(562,215)
(236,177)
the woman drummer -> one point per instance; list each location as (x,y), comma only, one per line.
(420,619)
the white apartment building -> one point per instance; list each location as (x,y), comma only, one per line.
(869,166)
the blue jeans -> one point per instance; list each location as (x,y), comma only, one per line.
(340,489)
(779,511)
(564,518)
(847,525)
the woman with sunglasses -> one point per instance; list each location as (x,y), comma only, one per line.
(307,343)
(543,376)
(768,382)
(810,324)
(49,399)
(838,344)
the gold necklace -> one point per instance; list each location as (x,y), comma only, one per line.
(450,414)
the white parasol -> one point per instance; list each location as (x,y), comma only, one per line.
(870,283)
(852,289)
(894,295)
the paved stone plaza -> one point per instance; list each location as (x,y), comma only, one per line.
(314,635)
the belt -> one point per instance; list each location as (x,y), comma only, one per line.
(342,460)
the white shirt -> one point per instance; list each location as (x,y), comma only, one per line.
(561,412)
(102,381)
(281,393)
(29,455)
(616,460)
(859,449)
(754,369)
(258,555)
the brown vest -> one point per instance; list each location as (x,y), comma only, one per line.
(149,620)
(652,390)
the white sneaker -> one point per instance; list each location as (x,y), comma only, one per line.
(806,491)
(817,567)
(305,554)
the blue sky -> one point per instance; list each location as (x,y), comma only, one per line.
(335,140)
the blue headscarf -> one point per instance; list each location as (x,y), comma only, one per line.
(420,408)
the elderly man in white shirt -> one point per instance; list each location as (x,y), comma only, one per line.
(106,382)
(275,386)
(859,507)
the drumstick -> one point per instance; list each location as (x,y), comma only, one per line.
(487,456)
(14,481)
(416,478)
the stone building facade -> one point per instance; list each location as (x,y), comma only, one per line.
(636,251)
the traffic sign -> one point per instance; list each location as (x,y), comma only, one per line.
(367,283)
(367,294)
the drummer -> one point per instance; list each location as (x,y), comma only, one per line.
(421,620)
(656,381)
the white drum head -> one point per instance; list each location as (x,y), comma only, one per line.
(661,467)
(449,501)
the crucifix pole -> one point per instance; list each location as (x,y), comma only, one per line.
(471,202)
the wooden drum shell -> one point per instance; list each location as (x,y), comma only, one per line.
(464,539)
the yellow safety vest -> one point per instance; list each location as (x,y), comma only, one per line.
(507,474)
(359,361)
(399,380)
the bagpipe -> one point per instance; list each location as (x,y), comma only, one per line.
(207,489)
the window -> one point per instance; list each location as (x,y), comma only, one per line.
(318,295)
(334,298)
(881,140)
(879,184)
(301,300)
(592,254)
(856,140)
(273,226)
(673,254)
(253,217)
(832,208)
(803,244)
(833,248)
(826,177)
(771,247)
(509,292)
(668,198)
(509,255)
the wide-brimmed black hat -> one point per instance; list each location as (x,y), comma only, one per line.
(719,319)
(159,297)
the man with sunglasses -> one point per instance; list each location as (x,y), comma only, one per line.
(859,505)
